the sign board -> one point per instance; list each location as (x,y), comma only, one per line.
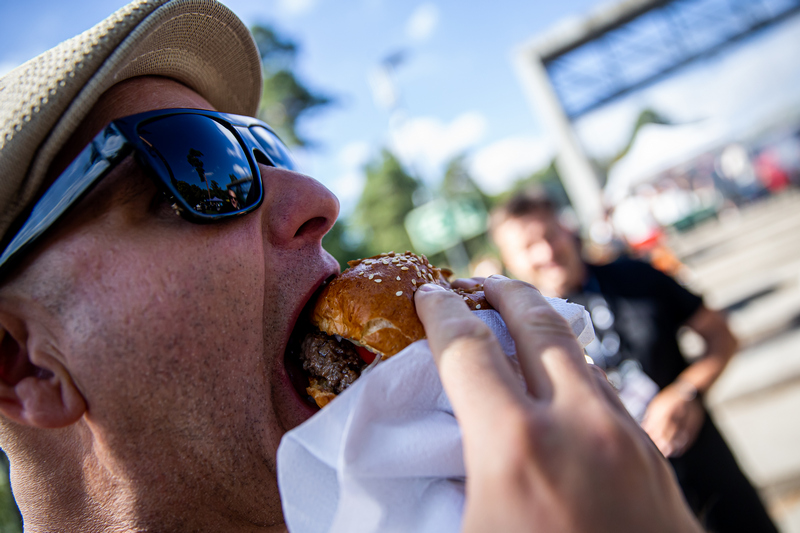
(442,224)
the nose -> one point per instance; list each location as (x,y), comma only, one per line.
(298,209)
(543,252)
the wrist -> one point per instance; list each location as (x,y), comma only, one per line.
(686,390)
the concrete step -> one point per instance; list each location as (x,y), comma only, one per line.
(755,404)
(702,240)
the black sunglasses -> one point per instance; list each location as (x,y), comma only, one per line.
(205,161)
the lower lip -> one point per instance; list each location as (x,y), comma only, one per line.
(293,373)
(293,380)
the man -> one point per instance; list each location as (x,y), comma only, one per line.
(637,312)
(142,339)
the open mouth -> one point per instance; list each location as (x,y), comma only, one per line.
(321,366)
(292,357)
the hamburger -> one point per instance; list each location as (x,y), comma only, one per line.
(365,315)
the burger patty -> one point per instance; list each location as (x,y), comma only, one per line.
(337,363)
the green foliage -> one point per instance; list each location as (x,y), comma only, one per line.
(457,181)
(10,520)
(277,52)
(547,179)
(378,223)
(384,203)
(284,98)
(344,243)
(458,184)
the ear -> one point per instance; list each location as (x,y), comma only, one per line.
(36,389)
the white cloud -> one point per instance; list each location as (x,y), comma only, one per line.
(427,144)
(383,89)
(350,177)
(348,186)
(497,166)
(604,132)
(423,22)
(296,7)
(355,154)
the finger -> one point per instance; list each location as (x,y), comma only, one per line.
(475,372)
(607,390)
(468,283)
(679,445)
(663,435)
(663,446)
(671,447)
(656,437)
(674,443)
(551,359)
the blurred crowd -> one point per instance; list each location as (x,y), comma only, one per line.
(714,185)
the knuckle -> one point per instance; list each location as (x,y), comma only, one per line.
(461,335)
(615,443)
(543,319)
(502,286)
(435,297)
(468,328)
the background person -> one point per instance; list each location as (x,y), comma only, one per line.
(127,405)
(637,311)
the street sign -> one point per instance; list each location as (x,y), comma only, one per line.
(442,224)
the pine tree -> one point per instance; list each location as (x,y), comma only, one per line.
(284,98)
(384,204)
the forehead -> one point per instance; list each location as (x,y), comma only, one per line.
(528,228)
(129,97)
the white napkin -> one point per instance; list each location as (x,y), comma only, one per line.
(385,455)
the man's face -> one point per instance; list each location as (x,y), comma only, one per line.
(537,249)
(175,332)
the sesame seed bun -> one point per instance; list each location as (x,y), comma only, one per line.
(372,302)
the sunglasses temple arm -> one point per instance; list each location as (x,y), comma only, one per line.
(107,149)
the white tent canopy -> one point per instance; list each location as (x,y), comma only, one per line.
(657,148)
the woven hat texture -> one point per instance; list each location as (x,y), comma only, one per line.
(200,43)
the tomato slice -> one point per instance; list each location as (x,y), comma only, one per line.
(365,354)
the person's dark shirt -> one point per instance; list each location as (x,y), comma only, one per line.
(648,308)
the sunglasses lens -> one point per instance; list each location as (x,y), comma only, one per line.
(206,163)
(276,151)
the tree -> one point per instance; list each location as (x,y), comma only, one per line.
(284,99)
(384,204)
(459,188)
(458,182)
(10,519)
(545,179)
(344,242)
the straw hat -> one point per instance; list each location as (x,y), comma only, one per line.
(200,43)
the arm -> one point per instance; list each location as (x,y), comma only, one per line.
(675,416)
(559,453)
(720,347)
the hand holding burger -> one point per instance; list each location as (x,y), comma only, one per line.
(557,453)
(367,314)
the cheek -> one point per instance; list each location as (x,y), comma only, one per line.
(160,310)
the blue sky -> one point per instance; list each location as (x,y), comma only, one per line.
(457,88)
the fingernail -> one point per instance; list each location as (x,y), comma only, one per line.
(430,287)
(497,276)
